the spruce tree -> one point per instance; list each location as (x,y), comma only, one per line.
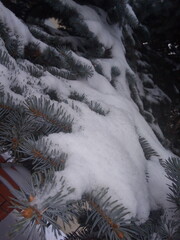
(53,79)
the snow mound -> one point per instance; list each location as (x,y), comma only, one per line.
(103,151)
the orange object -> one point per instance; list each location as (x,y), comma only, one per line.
(120,235)
(31,198)
(28,212)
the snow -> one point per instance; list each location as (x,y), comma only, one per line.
(103,151)
(17,27)
(106,153)
(157,189)
(101,84)
(50,235)
(130,12)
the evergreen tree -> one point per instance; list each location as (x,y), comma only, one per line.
(161,50)
(100,45)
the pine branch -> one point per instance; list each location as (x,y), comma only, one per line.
(172,168)
(4,31)
(97,66)
(169,229)
(40,32)
(5,60)
(15,47)
(78,97)
(131,17)
(75,22)
(40,207)
(149,228)
(43,110)
(82,234)
(134,91)
(14,129)
(115,72)
(96,107)
(50,57)
(1,90)
(32,52)
(75,66)
(108,217)
(12,41)
(6,104)
(42,154)
(81,70)
(17,88)
(34,71)
(62,73)
(137,98)
(53,95)
(147,149)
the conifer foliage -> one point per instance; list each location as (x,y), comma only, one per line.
(43,69)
